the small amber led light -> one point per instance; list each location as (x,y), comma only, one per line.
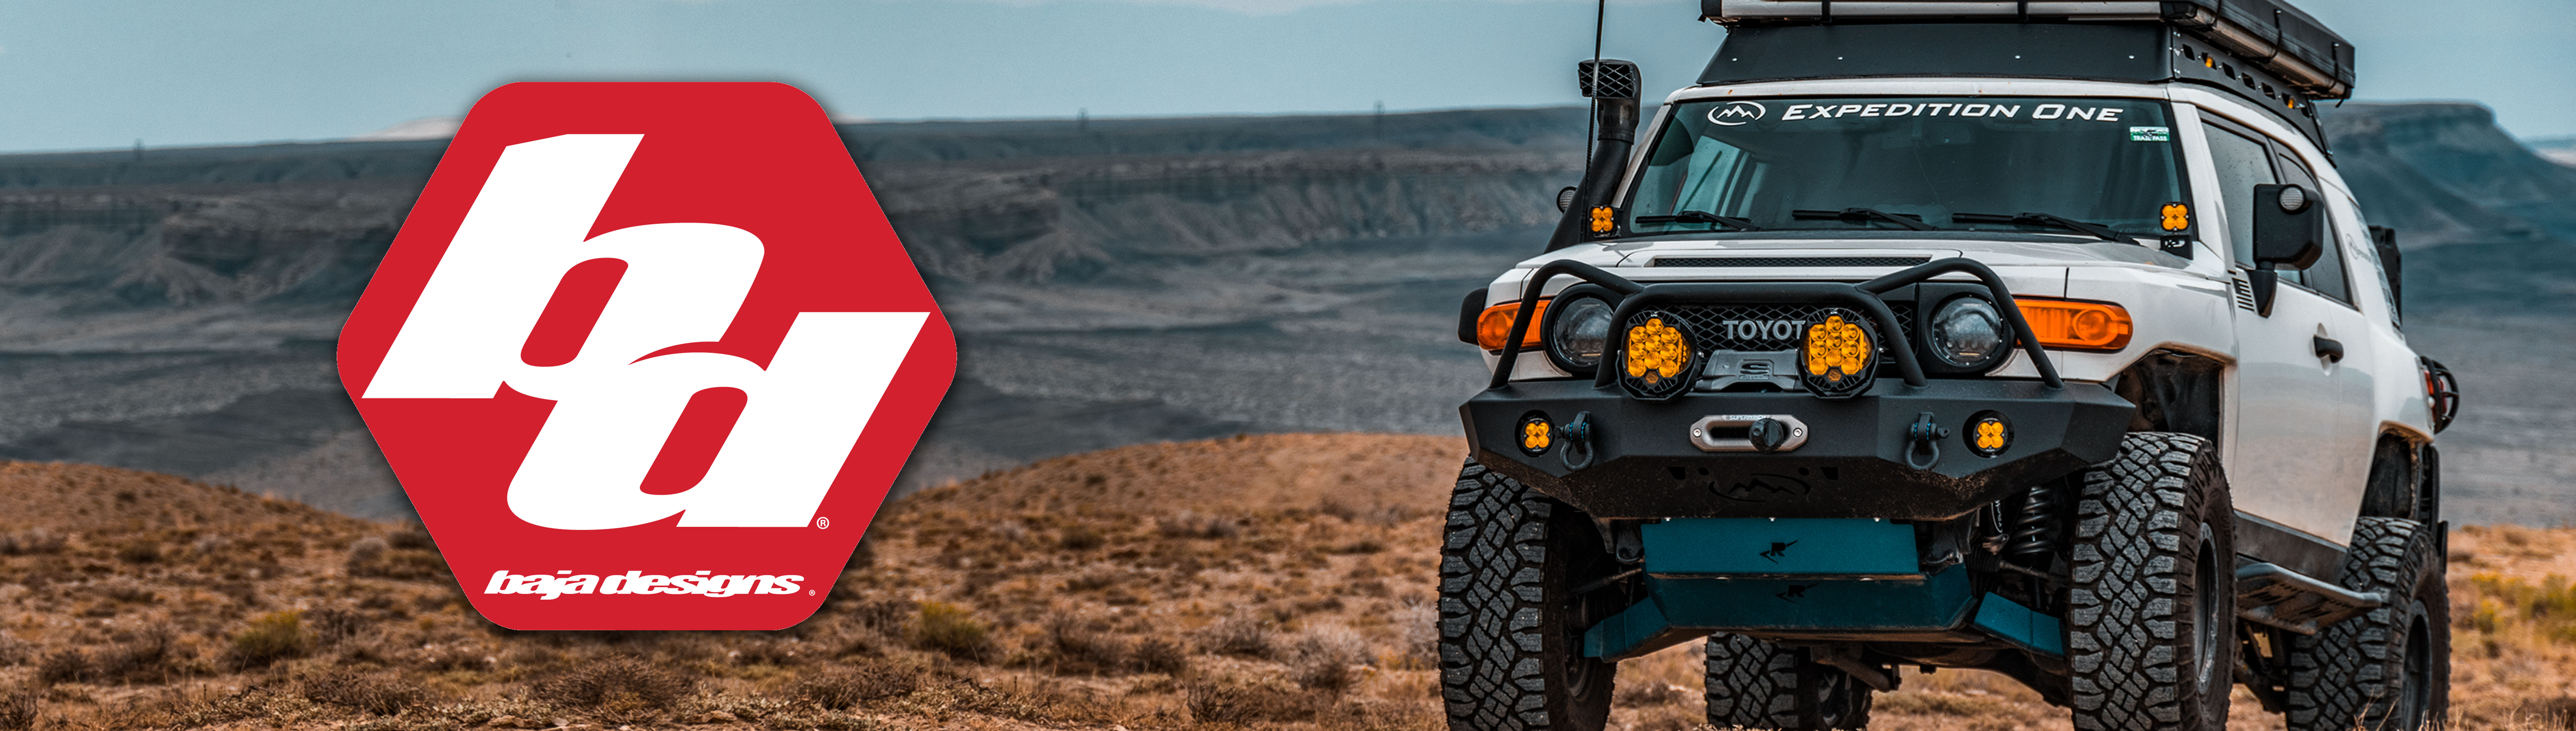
(1601,220)
(1989,434)
(2072,325)
(1535,434)
(1494,325)
(2177,216)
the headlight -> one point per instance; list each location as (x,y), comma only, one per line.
(1657,359)
(1840,355)
(1968,333)
(1577,331)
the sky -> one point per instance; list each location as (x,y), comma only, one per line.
(93,74)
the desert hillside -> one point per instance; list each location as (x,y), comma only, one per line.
(1278,581)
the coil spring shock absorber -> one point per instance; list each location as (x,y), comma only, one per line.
(2033,532)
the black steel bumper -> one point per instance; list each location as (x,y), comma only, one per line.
(1854,463)
(1861,457)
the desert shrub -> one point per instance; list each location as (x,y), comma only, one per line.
(1211,702)
(840,688)
(331,625)
(951,629)
(398,558)
(151,657)
(364,553)
(32,540)
(439,658)
(622,686)
(14,651)
(1160,655)
(1238,636)
(411,538)
(1075,649)
(268,639)
(768,653)
(67,665)
(18,708)
(1081,538)
(1322,657)
(1189,524)
(816,721)
(378,694)
(139,552)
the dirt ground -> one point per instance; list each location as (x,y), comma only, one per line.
(1281,581)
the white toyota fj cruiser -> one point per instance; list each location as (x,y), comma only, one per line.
(2036,337)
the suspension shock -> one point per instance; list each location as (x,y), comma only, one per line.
(2033,532)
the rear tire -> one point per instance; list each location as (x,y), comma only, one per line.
(2151,626)
(2388,669)
(1511,634)
(1756,684)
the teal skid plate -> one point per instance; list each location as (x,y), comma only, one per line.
(2019,625)
(1784,548)
(1684,608)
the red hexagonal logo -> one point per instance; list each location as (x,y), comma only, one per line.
(646,356)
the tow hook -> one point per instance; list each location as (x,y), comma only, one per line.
(1577,433)
(1924,438)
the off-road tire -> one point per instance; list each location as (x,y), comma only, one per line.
(1755,684)
(1511,636)
(2387,669)
(2150,631)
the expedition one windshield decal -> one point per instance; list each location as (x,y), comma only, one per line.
(1738,113)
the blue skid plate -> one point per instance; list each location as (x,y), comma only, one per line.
(1682,608)
(1815,548)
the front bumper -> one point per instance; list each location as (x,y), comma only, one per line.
(1854,462)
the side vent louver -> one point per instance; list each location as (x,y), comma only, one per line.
(2244,293)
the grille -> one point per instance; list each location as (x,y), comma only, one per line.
(1790,261)
(1707,329)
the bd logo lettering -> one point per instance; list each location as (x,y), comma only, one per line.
(657,325)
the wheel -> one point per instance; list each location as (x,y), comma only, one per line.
(1511,634)
(1756,684)
(2388,669)
(2151,625)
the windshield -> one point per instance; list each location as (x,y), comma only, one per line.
(1966,163)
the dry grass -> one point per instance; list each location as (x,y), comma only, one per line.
(1294,590)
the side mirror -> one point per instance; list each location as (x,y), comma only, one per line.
(2384,239)
(2289,231)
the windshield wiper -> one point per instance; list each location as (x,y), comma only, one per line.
(2041,219)
(1702,217)
(1865,214)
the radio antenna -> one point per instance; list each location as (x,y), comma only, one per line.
(1600,12)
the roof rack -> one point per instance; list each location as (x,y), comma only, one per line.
(2267,34)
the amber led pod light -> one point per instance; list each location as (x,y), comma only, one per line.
(1840,355)
(1656,357)
(2072,325)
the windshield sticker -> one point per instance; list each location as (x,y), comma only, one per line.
(2150,134)
(1931,109)
(1738,113)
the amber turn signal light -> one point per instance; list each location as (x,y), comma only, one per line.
(2072,325)
(1494,327)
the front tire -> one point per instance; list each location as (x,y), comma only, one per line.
(2150,632)
(1756,684)
(1511,633)
(2388,669)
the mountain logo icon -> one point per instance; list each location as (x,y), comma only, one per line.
(1736,114)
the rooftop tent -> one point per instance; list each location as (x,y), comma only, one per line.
(2267,34)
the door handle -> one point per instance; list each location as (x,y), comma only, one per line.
(2329,348)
